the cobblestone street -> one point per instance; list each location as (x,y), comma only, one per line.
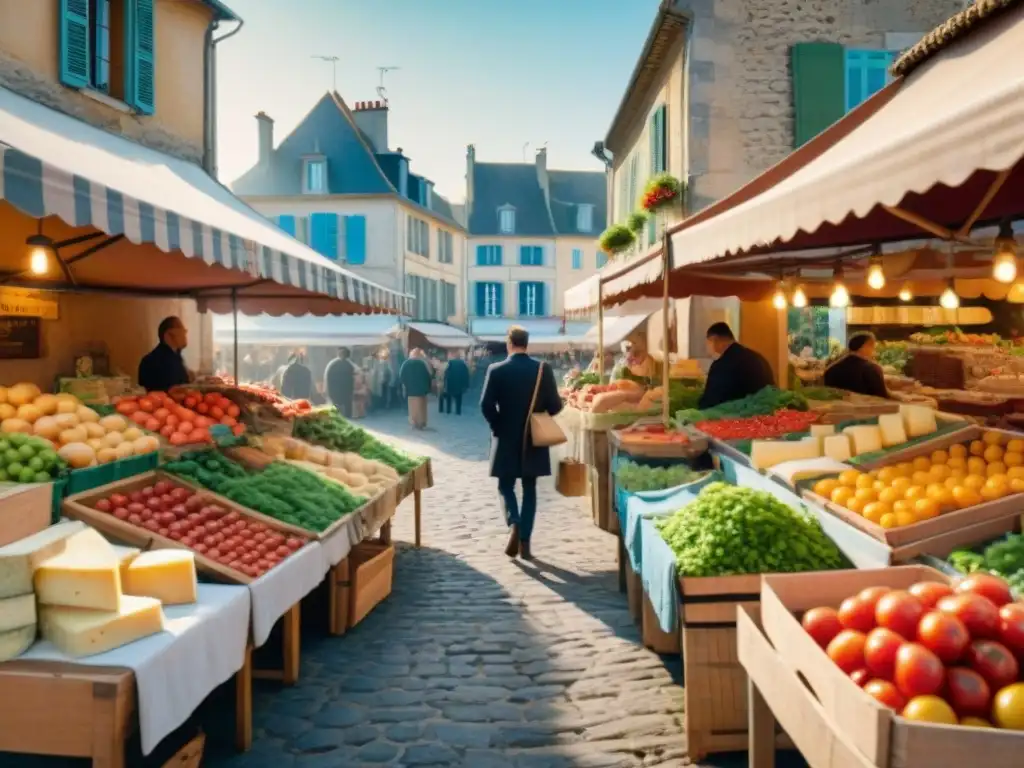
(476,660)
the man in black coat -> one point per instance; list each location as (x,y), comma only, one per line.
(736,372)
(340,382)
(456,382)
(164,368)
(508,392)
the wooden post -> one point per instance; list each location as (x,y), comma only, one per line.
(234,322)
(665,267)
(600,329)
(243,703)
(417,500)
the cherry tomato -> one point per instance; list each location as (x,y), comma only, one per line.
(1011,627)
(928,593)
(871,595)
(886,693)
(994,662)
(899,611)
(919,672)
(929,709)
(986,585)
(854,613)
(880,652)
(847,650)
(944,635)
(967,692)
(1008,707)
(979,614)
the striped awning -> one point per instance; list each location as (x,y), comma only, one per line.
(52,164)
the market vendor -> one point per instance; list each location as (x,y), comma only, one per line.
(736,372)
(857,371)
(164,368)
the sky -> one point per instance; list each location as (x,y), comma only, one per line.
(495,73)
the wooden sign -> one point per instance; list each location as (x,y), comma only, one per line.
(19,338)
(19,303)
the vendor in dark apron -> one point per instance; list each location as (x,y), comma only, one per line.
(857,371)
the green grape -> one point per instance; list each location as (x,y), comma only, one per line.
(636,478)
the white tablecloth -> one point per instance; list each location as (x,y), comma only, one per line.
(283,586)
(357,527)
(202,646)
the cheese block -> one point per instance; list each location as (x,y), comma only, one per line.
(169,575)
(15,642)
(768,453)
(918,420)
(865,438)
(794,472)
(893,431)
(87,574)
(125,555)
(837,447)
(82,632)
(17,612)
(19,559)
(822,430)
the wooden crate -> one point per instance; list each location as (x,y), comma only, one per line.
(634,593)
(873,730)
(969,536)
(371,568)
(24,510)
(654,637)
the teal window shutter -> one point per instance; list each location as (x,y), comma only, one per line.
(478,289)
(140,58)
(866,73)
(819,92)
(74,43)
(524,293)
(602,259)
(499,299)
(323,234)
(540,300)
(656,131)
(577,258)
(355,239)
(481,257)
(287,223)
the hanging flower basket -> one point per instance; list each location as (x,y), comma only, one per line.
(637,221)
(616,239)
(662,191)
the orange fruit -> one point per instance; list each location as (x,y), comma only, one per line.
(992,453)
(849,478)
(905,518)
(841,495)
(889,495)
(957,462)
(875,511)
(973,481)
(901,484)
(921,478)
(865,481)
(914,493)
(977,448)
(939,457)
(826,486)
(889,521)
(921,464)
(995,468)
(965,496)
(856,505)
(926,509)
(1013,459)
(957,451)
(992,438)
(1015,446)
(976,465)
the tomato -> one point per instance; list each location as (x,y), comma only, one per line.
(871,595)
(1011,627)
(994,662)
(880,652)
(986,585)
(854,613)
(146,404)
(944,635)
(1008,707)
(976,722)
(929,709)
(919,672)
(967,692)
(127,407)
(899,611)
(928,593)
(847,650)
(886,693)
(232,411)
(979,614)
(140,418)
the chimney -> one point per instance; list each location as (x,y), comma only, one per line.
(371,117)
(542,173)
(470,163)
(265,125)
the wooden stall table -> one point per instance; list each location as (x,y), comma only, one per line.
(412,484)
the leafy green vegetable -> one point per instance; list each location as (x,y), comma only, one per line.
(1003,557)
(821,393)
(765,402)
(633,477)
(330,429)
(730,530)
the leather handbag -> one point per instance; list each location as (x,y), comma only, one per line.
(541,427)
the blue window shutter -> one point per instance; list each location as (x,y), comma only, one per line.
(652,140)
(602,259)
(540,300)
(141,58)
(499,255)
(287,223)
(500,303)
(662,134)
(355,239)
(478,289)
(523,304)
(577,258)
(323,234)
(75,47)
(523,255)
(481,256)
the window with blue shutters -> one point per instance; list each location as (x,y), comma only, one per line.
(75,46)
(602,259)
(355,239)
(287,223)
(323,234)
(577,258)
(866,72)
(488,255)
(141,47)
(659,159)
(584,218)
(489,299)
(531,299)
(531,256)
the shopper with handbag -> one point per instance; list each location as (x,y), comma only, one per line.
(519,400)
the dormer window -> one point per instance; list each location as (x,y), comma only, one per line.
(314,176)
(584,218)
(507,220)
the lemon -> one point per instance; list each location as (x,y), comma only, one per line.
(993,453)
(888,521)
(992,438)
(1013,459)
(825,487)
(995,468)
(849,477)
(939,457)
(977,448)
(957,452)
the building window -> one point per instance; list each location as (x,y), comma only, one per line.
(314,176)
(584,218)
(531,299)
(865,73)
(602,259)
(100,27)
(488,255)
(488,299)
(445,252)
(531,256)
(577,258)
(418,236)
(507,220)
(447,300)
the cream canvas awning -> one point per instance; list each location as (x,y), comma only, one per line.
(617,328)
(442,335)
(623,280)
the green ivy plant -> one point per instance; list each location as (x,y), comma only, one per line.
(616,239)
(637,221)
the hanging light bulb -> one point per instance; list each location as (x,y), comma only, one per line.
(779,299)
(840,297)
(39,257)
(906,294)
(876,277)
(1004,262)
(799,298)
(949,299)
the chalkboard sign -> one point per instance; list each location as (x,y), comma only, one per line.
(19,338)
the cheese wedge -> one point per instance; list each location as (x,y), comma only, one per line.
(80,632)
(918,420)
(125,555)
(768,453)
(893,431)
(866,438)
(17,612)
(87,574)
(169,575)
(794,472)
(837,447)
(15,642)
(822,430)
(19,559)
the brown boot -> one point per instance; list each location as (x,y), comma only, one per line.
(512,547)
(524,550)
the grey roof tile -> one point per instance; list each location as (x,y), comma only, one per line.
(515,184)
(569,190)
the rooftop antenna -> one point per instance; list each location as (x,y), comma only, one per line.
(334,68)
(526,146)
(381,90)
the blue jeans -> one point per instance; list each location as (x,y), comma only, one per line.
(520,516)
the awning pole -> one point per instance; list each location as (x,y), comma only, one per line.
(600,330)
(664,330)
(234,316)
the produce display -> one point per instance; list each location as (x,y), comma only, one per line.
(25,459)
(939,337)
(200,524)
(285,408)
(769,425)
(362,477)
(957,478)
(620,395)
(184,417)
(729,530)
(823,394)
(1003,558)
(328,428)
(934,653)
(282,491)
(640,434)
(767,401)
(576,379)
(634,478)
